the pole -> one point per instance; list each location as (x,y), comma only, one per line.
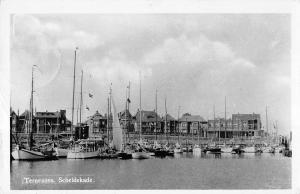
(225,122)
(267,127)
(128,108)
(73,90)
(107,124)
(156,114)
(140,107)
(80,98)
(178,122)
(166,128)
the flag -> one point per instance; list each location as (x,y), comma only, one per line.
(87,108)
(128,100)
(90,95)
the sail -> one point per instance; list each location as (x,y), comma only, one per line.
(117,130)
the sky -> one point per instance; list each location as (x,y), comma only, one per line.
(193,60)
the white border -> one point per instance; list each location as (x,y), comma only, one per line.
(144,6)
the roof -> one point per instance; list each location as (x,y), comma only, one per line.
(96,116)
(26,113)
(122,114)
(148,116)
(245,116)
(169,118)
(47,114)
(191,118)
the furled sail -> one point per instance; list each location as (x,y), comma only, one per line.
(117,130)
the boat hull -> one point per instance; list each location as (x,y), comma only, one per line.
(24,154)
(82,155)
(61,152)
(140,155)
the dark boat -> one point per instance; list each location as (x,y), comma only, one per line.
(160,152)
(124,155)
(237,150)
(212,150)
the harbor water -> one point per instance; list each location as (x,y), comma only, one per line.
(183,171)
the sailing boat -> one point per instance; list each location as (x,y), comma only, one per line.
(32,153)
(177,148)
(214,149)
(197,148)
(82,149)
(140,153)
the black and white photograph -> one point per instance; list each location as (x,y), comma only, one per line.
(150,101)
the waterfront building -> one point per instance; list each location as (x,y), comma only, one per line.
(97,124)
(149,119)
(13,121)
(126,121)
(171,124)
(240,125)
(50,122)
(192,124)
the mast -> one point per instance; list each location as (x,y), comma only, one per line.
(267,127)
(140,107)
(178,121)
(128,105)
(156,114)
(166,128)
(31,110)
(80,98)
(225,122)
(73,90)
(107,124)
(125,112)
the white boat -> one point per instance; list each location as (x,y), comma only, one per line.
(85,149)
(226,149)
(31,152)
(61,152)
(249,149)
(26,154)
(140,155)
(196,149)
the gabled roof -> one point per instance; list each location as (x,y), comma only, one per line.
(96,116)
(191,118)
(26,114)
(122,114)
(147,116)
(169,118)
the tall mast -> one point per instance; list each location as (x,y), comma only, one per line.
(73,90)
(178,121)
(225,121)
(166,128)
(107,124)
(31,101)
(128,106)
(80,98)
(156,114)
(140,107)
(267,127)
(126,101)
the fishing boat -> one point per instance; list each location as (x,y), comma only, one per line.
(84,149)
(32,152)
(117,132)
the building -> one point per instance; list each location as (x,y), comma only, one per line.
(240,125)
(97,125)
(50,122)
(13,121)
(149,120)
(171,124)
(126,121)
(192,124)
